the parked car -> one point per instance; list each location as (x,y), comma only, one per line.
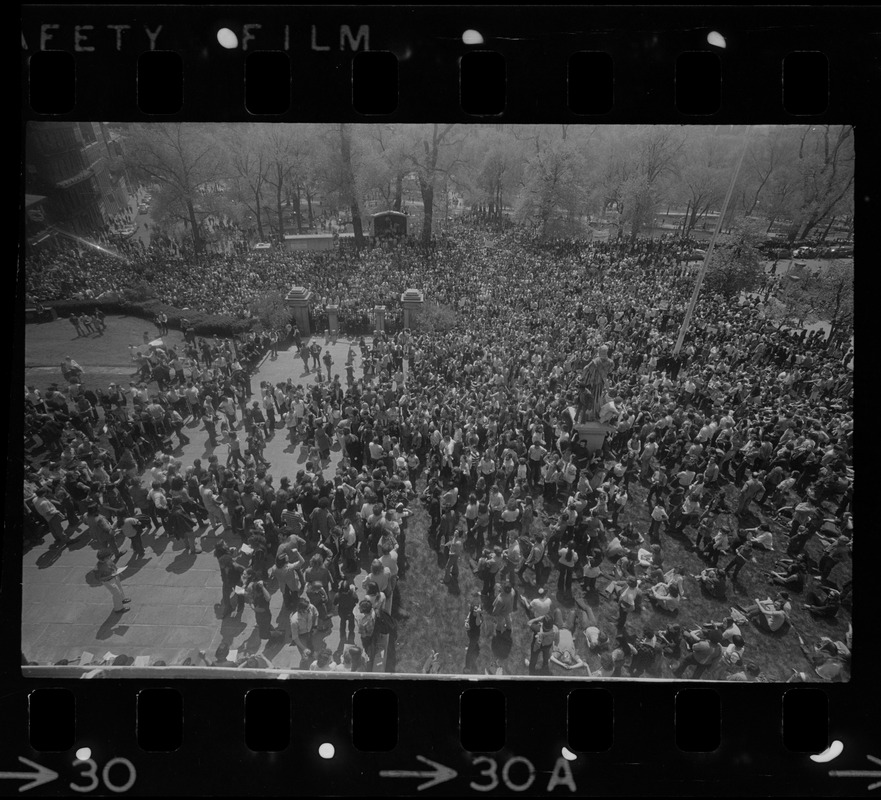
(262,246)
(143,208)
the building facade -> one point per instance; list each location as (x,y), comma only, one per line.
(78,168)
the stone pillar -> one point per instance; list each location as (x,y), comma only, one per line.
(333,322)
(298,300)
(412,300)
(379,318)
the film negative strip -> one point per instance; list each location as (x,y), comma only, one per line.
(181,164)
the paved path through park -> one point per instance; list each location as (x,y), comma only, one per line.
(174,611)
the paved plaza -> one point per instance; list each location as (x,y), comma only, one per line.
(175,597)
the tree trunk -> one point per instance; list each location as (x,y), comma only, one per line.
(194,226)
(297,212)
(309,204)
(427,211)
(685,219)
(692,220)
(806,229)
(278,194)
(399,192)
(356,226)
(828,228)
(771,224)
(349,192)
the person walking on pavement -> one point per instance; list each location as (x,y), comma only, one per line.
(304,354)
(182,527)
(108,573)
(328,362)
(230,578)
(102,531)
(50,512)
(315,350)
(209,419)
(235,451)
(132,527)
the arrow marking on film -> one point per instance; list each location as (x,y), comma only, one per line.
(438,774)
(860,773)
(41,776)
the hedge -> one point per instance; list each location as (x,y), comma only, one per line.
(203,324)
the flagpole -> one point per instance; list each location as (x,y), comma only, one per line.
(700,278)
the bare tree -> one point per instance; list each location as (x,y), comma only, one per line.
(250,167)
(826,166)
(183,159)
(428,156)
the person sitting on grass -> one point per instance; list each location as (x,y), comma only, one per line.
(823,604)
(750,673)
(671,640)
(563,652)
(761,537)
(712,582)
(732,653)
(665,598)
(827,659)
(726,630)
(768,615)
(793,574)
(651,558)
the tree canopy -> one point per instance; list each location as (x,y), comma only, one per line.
(554,179)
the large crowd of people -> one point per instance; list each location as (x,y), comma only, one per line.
(736,451)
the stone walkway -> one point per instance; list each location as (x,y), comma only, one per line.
(174,596)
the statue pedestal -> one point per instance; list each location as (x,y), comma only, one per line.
(591,435)
(411,301)
(298,301)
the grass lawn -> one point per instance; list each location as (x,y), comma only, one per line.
(436,613)
(105,359)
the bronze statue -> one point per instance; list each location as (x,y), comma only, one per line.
(594,379)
